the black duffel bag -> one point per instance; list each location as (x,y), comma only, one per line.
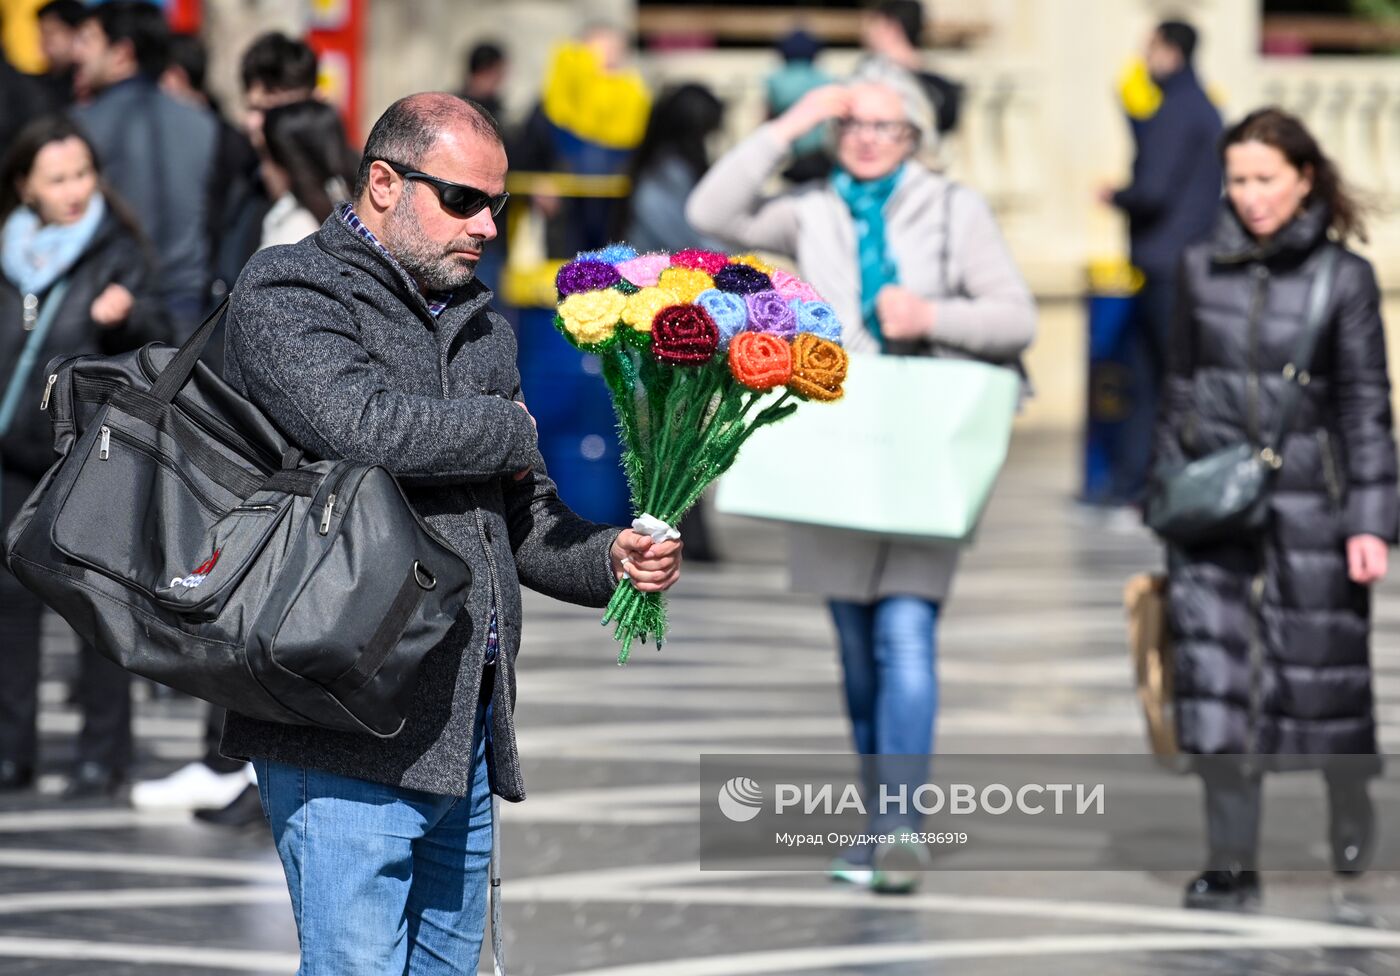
(187,540)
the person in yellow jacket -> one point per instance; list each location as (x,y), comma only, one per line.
(592,113)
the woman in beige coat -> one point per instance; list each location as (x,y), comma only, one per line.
(914,265)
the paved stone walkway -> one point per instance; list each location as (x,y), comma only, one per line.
(601,870)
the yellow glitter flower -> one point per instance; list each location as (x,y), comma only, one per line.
(591,317)
(643,305)
(753,261)
(685,283)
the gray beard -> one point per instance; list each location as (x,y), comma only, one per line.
(434,266)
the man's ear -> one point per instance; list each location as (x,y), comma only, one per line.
(384,186)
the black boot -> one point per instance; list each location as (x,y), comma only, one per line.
(91,780)
(15,776)
(245,811)
(1222,890)
(1352,831)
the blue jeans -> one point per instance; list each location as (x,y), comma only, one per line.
(887,656)
(383,879)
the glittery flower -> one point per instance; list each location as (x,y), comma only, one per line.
(818,368)
(684,335)
(706,261)
(818,318)
(770,312)
(729,311)
(753,261)
(580,276)
(612,254)
(590,319)
(644,269)
(642,307)
(742,279)
(760,360)
(790,286)
(687,283)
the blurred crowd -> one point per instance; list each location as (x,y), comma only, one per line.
(130,200)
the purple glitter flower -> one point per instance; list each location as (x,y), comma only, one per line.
(581,276)
(742,279)
(769,312)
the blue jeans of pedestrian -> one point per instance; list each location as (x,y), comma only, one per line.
(888,659)
(383,879)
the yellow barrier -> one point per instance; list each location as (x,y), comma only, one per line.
(528,277)
(1114,276)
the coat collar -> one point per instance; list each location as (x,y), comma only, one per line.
(1232,244)
(340,241)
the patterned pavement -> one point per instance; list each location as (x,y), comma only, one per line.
(601,876)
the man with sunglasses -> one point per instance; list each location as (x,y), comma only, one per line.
(372,340)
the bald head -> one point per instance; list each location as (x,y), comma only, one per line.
(412,127)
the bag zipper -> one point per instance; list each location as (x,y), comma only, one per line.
(329,509)
(104,452)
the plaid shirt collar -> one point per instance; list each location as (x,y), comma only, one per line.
(437,300)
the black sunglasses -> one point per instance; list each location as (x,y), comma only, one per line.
(460,199)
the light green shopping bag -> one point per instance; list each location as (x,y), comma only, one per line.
(912,449)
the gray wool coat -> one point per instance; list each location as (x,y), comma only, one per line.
(948,249)
(336,344)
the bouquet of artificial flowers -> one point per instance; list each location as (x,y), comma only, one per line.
(699,350)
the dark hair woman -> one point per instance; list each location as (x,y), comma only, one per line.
(308,169)
(74,280)
(665,168)
(1272,632)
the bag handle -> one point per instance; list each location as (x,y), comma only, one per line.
(1296,372)
(177,372)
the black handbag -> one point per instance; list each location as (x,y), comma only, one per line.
(1226,493)
(187,540)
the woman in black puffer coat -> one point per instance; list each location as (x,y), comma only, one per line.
(64,245)
(1272,634)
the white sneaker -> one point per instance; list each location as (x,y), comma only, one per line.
(192,787)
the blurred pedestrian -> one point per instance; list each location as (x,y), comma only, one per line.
(487,70)
(592,113)
(913,264)
(894,30)
(158,152)
(664,171)
(23,98)
(76,278)
(308,169)
(236,204)
(1171,202)
(275,70)
(1272,632)
(58,28)
(784,88)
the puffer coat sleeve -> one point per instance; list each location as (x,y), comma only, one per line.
(1362,392)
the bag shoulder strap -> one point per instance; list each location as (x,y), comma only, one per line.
(9,406)
(178,370)
(1296,372)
